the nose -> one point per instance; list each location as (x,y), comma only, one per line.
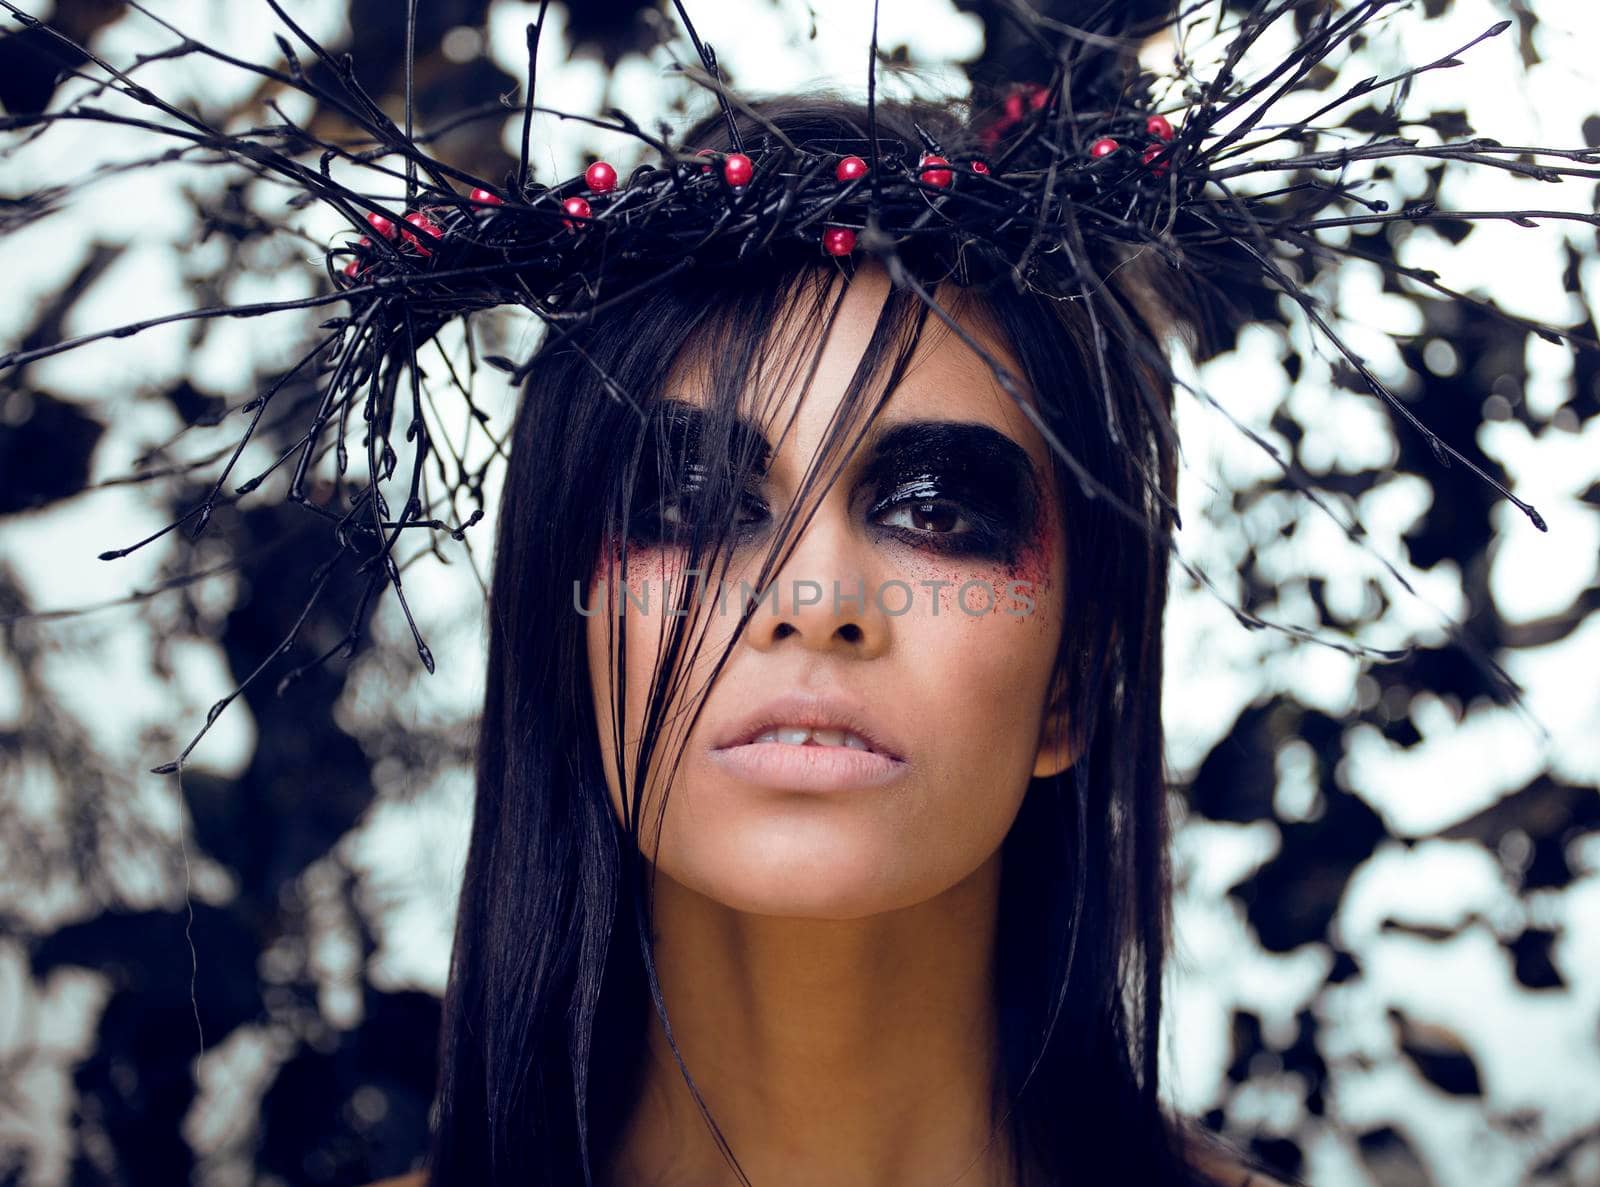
(824,597)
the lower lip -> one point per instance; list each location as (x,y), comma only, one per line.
(787,767)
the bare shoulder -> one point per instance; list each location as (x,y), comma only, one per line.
(414,1179)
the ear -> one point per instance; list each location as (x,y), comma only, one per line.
(1058,747)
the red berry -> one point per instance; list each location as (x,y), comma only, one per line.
(936,177)
(1038,96)
(850,168)
(576,207)
(1013,108)
(600,177)
(1151,153)
(979,167)
(487,198)
(424,224)
(737,169)
(705,152)
(383,226)
(838,241)
(1103,147)
(1159,127)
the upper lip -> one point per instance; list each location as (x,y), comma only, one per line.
(811,710)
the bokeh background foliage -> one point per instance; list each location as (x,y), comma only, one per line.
(1390,873)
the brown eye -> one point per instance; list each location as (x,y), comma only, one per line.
(933,518)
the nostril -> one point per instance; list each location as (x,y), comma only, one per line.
(851,632)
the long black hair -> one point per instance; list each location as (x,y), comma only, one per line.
(551,982)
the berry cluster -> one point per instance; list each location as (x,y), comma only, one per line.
(934,172)
(1159,129)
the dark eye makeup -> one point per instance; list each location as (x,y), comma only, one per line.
(978,484)
(950,487)
(673,475)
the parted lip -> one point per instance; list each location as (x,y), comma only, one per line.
(811,710)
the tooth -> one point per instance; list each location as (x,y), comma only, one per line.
(828,737)
(792,735)
(855,743)
(769,736)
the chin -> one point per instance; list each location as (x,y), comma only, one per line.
(798,873)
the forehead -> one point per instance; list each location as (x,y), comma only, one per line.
(945,378)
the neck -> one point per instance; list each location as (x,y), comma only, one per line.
(847,1052)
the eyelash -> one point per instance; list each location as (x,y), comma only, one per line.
(651,522)
(929,505)
(979,535)
(690,494)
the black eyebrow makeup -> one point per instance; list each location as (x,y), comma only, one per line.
(680,424)
(969,468)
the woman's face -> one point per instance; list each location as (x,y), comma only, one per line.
(943,535)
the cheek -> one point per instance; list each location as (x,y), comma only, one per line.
(984,648)
(981,641)
(1011,604)
(609,602)
(655,579)
(649,569)
(606,601)
(1035,562)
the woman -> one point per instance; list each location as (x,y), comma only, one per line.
(907,853)
(821,830)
